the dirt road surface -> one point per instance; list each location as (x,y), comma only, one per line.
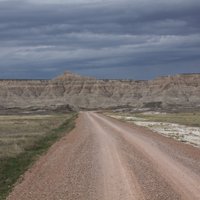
(105,159)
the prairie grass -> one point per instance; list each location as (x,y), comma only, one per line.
(19,132)
(23,139)
(189,119)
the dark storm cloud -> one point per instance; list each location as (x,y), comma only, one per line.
(103,38)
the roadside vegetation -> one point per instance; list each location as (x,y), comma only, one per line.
(184,127)
(189,119)
(23,139)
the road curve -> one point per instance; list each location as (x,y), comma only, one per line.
(105,159)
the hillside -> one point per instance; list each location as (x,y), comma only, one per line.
(70,91)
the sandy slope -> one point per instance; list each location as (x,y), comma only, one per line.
(103,158)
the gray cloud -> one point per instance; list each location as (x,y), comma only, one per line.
(111,39)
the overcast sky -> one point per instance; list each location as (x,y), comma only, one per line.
(137,39)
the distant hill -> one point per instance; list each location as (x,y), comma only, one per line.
(72,91)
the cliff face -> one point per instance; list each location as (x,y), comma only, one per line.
(71,90)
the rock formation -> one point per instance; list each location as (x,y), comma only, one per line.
(71,91)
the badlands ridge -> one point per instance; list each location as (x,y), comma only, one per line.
(71,91)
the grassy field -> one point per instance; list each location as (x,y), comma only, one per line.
(23,139)
(189,119)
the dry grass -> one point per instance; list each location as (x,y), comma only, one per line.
(23,139)
(19,132)
(189,119)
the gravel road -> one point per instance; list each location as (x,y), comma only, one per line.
(105,159)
